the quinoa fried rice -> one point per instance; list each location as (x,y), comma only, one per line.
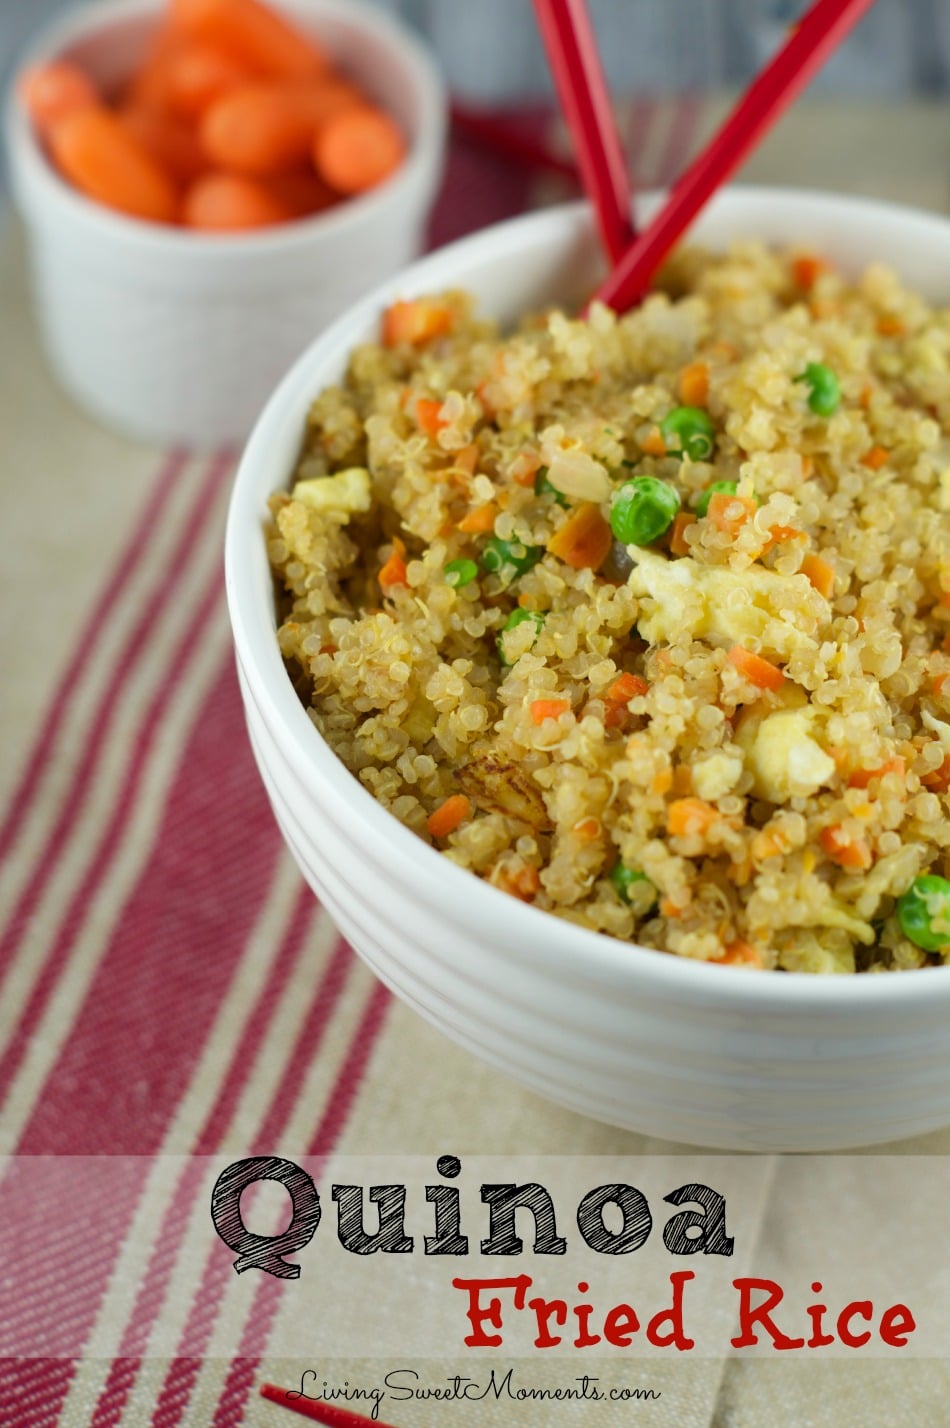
(731,742)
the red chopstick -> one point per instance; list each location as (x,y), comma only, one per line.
(316,1410)
(820,30)
(503,138)
(582,90)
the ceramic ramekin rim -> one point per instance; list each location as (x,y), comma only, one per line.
(566,947)
(31,170)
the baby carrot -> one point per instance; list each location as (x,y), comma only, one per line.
(198,74)
(357,148)
(253,33)
(755,669)
(51,91)
(300,191)
(260,129)
(230,203)
(93,150)
(172,144)
(447,817)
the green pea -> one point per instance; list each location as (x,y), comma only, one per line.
(516,618)
(543,487)
(460,572)
(643,509)
(702,505)
(627,878)
(688,431)
(925,902)
(509,558)
(824,389)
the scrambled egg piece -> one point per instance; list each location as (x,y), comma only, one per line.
(717,775)
(784,759)
(347,492)
(781,612)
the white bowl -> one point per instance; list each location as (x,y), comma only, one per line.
(715,1056)
(173,336)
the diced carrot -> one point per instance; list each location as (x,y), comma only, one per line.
(587,829)
(653,443)
(779,534)
(876,457)
(938,781)
(939,680)
(357,148)
(252,32)
(723,351)
(806,270)
(584,540)
(541,709)
(626,687)
(681,521)
(820,573)
(841,848)
(415,322)
(668,908)
(861,778)
(394,570)
(427,416)
(51,91)
(263,128)
(694,384)
(521,881)
(525,468)
(479,520)
(467,458)
(170,142)
(447,817)
(890,326)
(758,671)
(661,782)
(728,512)
(92,149)
(231,203)
(687,817)
(738,954)
(767,844)
(824,307)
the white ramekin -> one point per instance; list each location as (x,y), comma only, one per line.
(177,337)
(715,1056)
